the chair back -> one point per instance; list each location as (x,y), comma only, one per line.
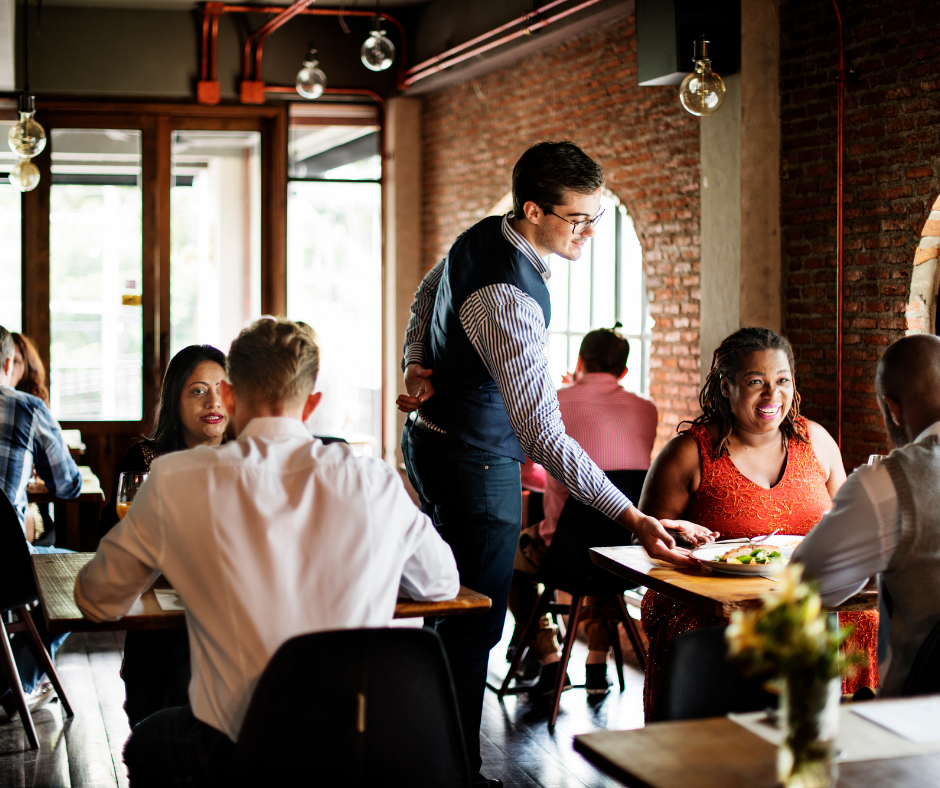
(355,708)
(567,564)
(17,586)
(924,675)
(699,681)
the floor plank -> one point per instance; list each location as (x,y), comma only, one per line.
(105,651)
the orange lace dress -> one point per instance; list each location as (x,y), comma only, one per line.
(730,503)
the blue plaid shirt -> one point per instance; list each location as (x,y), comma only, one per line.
(29,435)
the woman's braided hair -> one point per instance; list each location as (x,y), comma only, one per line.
(726,363)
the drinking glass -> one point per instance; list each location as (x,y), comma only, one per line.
(874,459)
(128,485)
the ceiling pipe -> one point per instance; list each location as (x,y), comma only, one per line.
(496,30)
(445,64)
(253,90)
(841,79)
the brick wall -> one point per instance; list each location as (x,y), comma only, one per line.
(585,90)
(891,181)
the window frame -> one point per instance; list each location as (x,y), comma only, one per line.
(156,123)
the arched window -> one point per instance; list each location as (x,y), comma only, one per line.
(606,285)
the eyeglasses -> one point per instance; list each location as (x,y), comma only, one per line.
(579,227)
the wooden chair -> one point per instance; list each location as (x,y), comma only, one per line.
(356,708)
(924,675)
(568,567)
(17,592)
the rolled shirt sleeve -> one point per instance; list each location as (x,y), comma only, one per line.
(54,464)
(421,310)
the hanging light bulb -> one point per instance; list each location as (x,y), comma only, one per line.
(25,175)
(311,81)
(27,138)
(378,52)
(702,92)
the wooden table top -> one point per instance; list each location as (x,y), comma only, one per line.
(701,588)
(55,575)
(719,753)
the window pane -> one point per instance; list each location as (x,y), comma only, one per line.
(632,293)
(579,293)
(558,290)
(574,345)
(604,251)
(215,237)
(634,380)
(334,152)
(95,274)
(10,262)
(558,357)
(334,277)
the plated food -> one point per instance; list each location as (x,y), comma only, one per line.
(747,558)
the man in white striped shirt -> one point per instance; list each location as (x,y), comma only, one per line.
(482,398)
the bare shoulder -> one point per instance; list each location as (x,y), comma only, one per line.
(679,456)
(820,437)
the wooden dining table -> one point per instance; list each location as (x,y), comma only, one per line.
(55,575)
(699,587)
(720,753)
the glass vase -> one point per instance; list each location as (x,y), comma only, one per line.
(809,713)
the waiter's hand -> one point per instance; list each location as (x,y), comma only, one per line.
(419,387)
(655,539)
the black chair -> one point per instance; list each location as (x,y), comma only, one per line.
(699,681)
(567,566)
(364,707)
(924,676)
(17,592)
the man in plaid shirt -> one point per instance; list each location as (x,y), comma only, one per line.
(30,436)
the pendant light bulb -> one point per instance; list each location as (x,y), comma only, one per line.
(311,81)
(25,175)
(378,52)
(702,92)
(27,138)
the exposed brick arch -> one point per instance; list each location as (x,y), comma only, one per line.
(925,279)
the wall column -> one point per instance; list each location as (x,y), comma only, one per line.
(403,271)
(740,164)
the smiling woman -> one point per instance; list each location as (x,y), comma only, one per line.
(749,465)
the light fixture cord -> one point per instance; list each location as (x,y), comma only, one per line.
(26,46)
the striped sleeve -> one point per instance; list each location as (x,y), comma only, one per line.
(421,309)
(507,329)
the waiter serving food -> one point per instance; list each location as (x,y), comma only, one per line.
(481,397)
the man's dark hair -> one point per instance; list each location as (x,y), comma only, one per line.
(605,350)
(6,346)
(546,170)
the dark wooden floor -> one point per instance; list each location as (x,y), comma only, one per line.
(517,747)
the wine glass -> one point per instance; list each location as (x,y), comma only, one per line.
(128,485)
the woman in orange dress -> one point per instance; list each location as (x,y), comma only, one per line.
(749,465)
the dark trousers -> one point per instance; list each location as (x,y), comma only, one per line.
(156,672)
(475,500)
(172,749)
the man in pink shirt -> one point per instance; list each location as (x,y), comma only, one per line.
(617,429)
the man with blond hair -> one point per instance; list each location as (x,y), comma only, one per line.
(267,537)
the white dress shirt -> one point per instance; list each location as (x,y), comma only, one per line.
(267,537)
(856,539)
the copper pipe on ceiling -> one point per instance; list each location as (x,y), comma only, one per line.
(441,66)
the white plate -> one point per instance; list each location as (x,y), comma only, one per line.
(708,553)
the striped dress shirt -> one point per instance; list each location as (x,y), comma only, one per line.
(507,329)
(30,436)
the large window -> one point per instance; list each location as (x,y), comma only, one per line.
(95,274)
(215,240)
(10,267)
(605,286)
(334,268)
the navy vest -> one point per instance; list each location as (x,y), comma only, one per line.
(466,402)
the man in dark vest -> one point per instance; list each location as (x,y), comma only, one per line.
(481,398)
